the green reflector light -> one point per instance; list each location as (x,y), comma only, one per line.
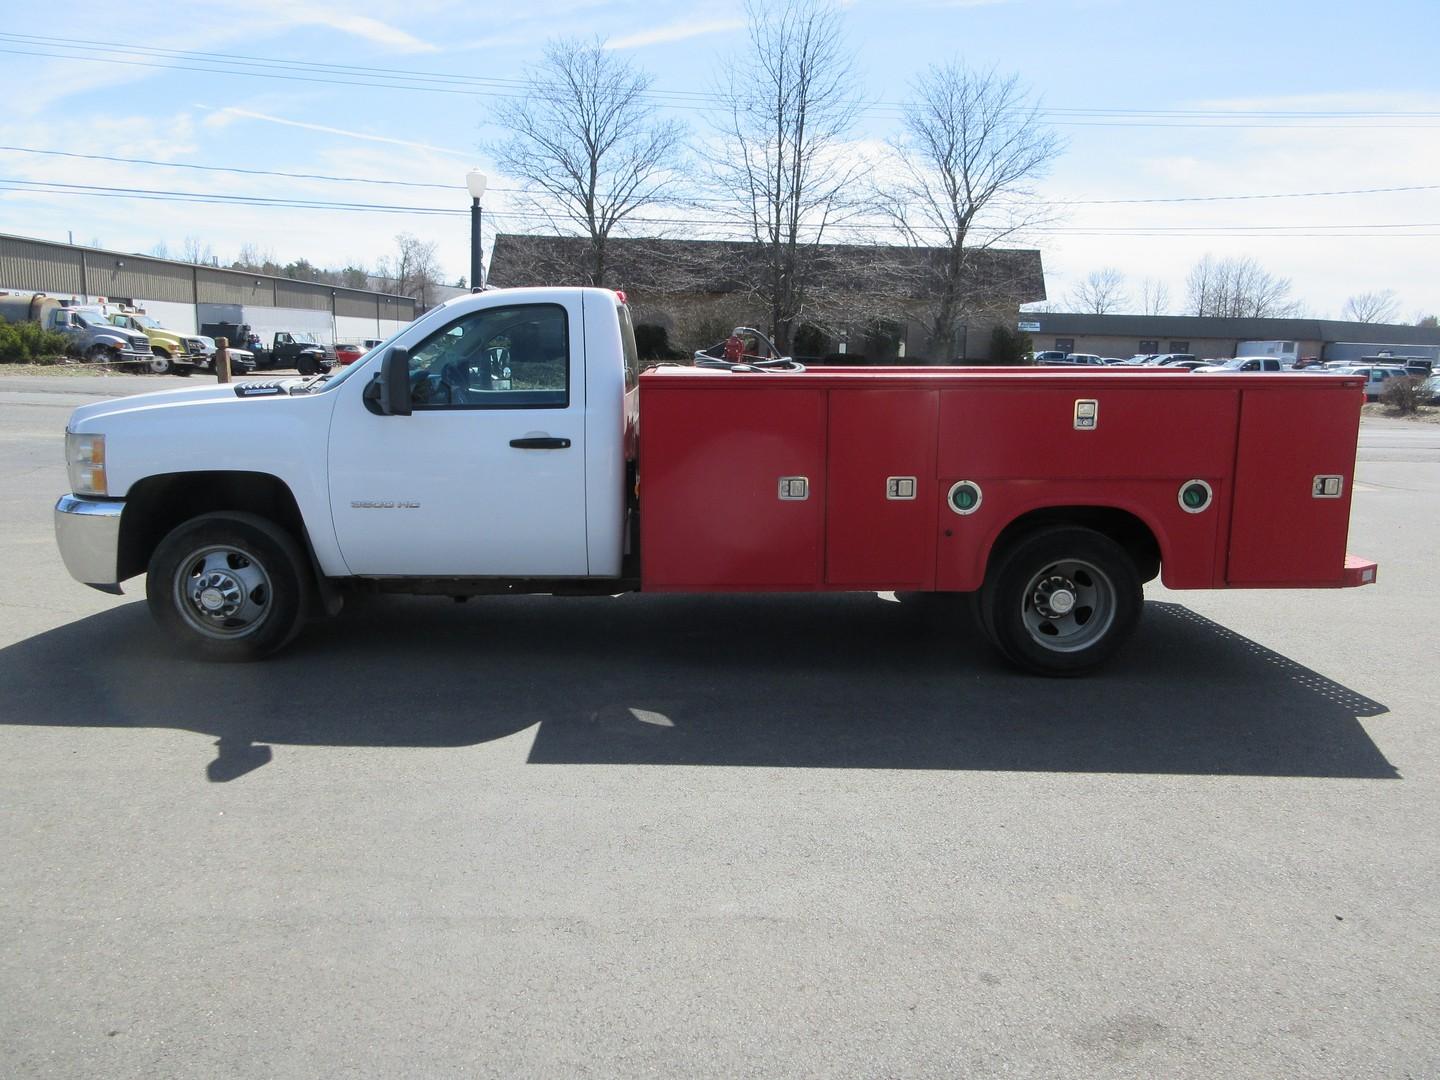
(1194,497)
(965,498)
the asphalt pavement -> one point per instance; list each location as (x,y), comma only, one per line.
(716,837)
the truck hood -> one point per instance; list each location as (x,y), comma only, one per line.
(135,339)
(246,392)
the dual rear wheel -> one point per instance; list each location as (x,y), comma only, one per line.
(1060,601)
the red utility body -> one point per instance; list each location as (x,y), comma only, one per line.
(716,447)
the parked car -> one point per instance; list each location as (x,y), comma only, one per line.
(1430,390)
(1170,359)
(1050,356)
(1377,377)
(346,353)
(1245,363)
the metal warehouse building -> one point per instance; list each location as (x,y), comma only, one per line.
(1126,335)
(182,296)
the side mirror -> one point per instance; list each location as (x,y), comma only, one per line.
(391,388)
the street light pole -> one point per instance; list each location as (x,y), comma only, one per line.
(475,180)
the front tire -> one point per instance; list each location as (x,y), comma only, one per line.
(228,586)
(102,354)
(159,363)
(1061,601)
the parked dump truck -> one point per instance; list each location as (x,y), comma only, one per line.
(508,442)
(89,333)
(171,352)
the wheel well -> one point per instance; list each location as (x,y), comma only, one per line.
(1123,527)
(157,504)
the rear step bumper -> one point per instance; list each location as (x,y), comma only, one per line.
(1359,571)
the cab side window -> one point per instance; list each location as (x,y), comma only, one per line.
(514,357)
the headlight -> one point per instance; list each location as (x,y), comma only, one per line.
(85,463)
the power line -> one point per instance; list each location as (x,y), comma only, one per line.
(242,59)
(163,195)
(482,86)
(688,202)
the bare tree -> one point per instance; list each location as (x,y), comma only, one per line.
(1238,288)
(1154,297)
(973,146)
(778,168)
(586,143)
(1372,307)
(194,250)
(1427,320)
(161,250)
(1101,292)
(413,270)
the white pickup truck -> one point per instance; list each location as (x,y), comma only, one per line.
(510,470)
(493,446)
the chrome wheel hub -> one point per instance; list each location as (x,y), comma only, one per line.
(1055,597)
(223,592)
(1069,605)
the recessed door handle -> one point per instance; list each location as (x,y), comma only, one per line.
(545,443)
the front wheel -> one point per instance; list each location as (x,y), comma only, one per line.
(228,586)
(159,363)
(1061,601)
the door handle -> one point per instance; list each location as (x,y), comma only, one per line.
(545,443)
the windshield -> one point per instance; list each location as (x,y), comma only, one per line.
(337,377)
(147,322)
(91,319)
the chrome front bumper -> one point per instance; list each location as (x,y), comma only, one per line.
(88,532)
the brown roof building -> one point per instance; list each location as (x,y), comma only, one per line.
(872,301)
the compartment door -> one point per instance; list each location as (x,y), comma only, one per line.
(1280,532)
(880,516)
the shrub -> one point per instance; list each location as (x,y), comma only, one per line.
(652,343)
(29,343)
(1404,396)
(1010,347)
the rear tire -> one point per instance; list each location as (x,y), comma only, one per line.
(1061,601)
(229,586)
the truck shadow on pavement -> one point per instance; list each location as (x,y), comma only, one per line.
(839,681)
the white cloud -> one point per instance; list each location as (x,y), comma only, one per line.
(1326,266)
(283,13)
(675,32)
(219,118)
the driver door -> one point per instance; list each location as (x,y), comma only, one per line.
(486,478)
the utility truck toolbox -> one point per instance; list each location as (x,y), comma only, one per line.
(507,442)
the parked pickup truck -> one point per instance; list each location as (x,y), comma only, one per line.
(303,352)
(1050,495)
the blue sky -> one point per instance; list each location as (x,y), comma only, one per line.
(1293,97)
